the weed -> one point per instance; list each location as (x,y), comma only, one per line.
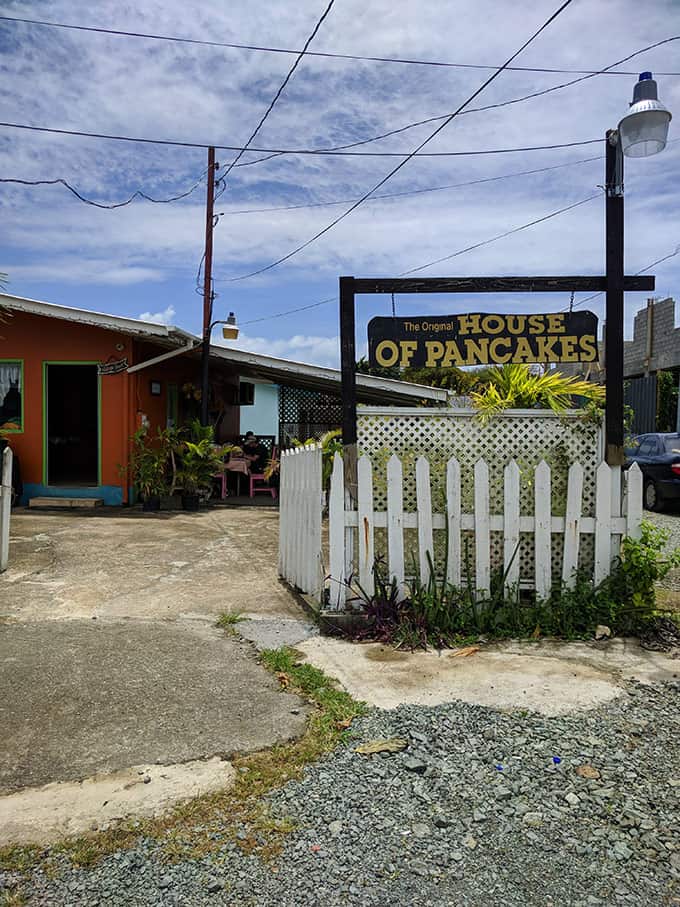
(227,621)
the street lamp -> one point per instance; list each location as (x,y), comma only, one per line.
(229,332)
(642,132)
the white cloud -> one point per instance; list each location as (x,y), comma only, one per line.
(165,317)
(300,348)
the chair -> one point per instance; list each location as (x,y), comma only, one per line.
(259,477)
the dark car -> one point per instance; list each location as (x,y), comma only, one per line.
(658,456)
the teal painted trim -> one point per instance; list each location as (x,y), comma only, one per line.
(17,431)
(47,362)
(112,495)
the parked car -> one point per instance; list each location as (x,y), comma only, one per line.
(658,456)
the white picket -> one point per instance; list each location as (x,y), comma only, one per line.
(395,523)
(572,530)
(5,507)
(634,501)
(453,511)
(366,520)
(336,535)
(542,530)
(482,530)
(424,504)
(511,478)
(603,503)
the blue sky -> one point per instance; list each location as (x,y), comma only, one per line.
(142,259)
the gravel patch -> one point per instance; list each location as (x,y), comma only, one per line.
(669,520)
(482,808)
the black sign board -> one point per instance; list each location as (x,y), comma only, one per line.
(481,338)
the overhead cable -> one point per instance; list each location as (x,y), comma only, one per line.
(89,201)
(302,151)
(329,55)
(410,156)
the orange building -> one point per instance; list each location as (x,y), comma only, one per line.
(75,385)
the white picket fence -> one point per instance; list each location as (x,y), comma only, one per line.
(352,528)
(5,507)
(300,510)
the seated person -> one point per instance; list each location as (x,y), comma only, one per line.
(255,452)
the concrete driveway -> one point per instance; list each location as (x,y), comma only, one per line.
(110,658)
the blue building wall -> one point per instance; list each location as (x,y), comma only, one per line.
(263,417)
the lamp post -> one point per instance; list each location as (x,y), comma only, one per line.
(643,131)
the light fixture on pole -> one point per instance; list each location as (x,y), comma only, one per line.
(643,131)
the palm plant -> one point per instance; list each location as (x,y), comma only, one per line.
(515,386)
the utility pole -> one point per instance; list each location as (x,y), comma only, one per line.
(207,286)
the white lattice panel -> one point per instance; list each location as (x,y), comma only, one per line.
(527,436)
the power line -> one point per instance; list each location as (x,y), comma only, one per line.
(641,271)
(328,55)
(410,156)
(486,242)
(281,88)
(301,151)
(407,192)
(510,101)
(89,201)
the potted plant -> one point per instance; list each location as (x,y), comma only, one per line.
(148,467)
(200,462)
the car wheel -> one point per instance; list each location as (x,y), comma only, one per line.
(652,498)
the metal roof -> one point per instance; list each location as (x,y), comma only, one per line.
(248,365)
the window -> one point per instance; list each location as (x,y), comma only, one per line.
(11,395)
(647,447)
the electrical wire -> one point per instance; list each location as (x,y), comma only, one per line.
(410,156)
(89,201)
(637,273)
(304,151)
(486,242)
(281,88)
(310,53)
(526,97)
(407,192)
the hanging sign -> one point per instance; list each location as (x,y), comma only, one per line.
(480,338)
(112,368)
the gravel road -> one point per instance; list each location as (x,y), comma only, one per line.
(482,809)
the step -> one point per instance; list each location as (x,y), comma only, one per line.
(65,502)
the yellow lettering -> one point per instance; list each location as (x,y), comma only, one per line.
(588,346)
(494,346)
(546,349)
(493,324)
(569,351)
(408,348)
(386,353)
(453,356)
(524,352)
(477,351)
(556,323)
(435,351)
(516,324)
(536,324)
(468,324)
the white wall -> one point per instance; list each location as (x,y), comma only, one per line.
(263,417)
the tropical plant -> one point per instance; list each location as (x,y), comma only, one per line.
(148,466)
(199,463)
(515,386)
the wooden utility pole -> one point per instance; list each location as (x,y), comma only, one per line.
(207,286)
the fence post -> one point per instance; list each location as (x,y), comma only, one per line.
(395,523)
(336,535)
(5,507)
